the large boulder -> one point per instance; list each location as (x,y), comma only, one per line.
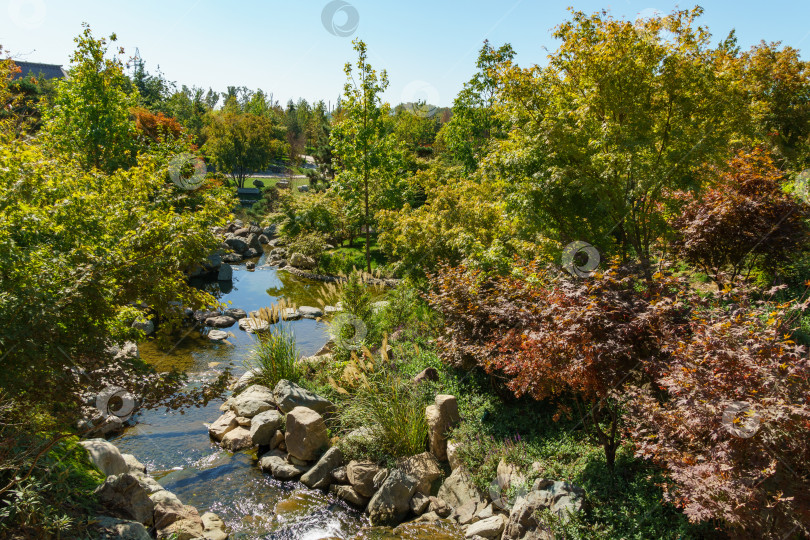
(301,261)
(305,433)
(225,273)
(320,476)
(105,456)
(237,244)
(223,425)
(562,498)
(253,400)
(452,454)
(361,476)
(124,494)
(441,416)
(109,528)
(491,527)
(237,439)
(264,425)
(213,527)
(133,464)
(175,520)
(425,468)
(390,504)
(458,489)
(289,396)
(220,321)
(279,467)
(253,242)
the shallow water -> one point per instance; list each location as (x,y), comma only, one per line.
(177,451)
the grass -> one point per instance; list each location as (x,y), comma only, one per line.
(359,250)
(275,357)
(394,411)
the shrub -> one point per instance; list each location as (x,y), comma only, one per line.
(744,221)
(311,245)
(275,357)
(728,416)
(553,336)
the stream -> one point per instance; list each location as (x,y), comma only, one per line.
(178,453)
(176,448)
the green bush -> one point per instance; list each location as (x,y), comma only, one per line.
(275,357)
(340,263)
(311,245)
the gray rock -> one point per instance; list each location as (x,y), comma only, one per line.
(468,512)
(251,253)
(250,265)
(562,498)
(253,242)
(458,489)
(225,273)
(289,396)
(419,503)
(124,493)
(249,406)
(222,425)
(237,244)
(119,529)
(340,476)
(487,528)
(105,456)
(251,325)
(361,476)
(424,467)
(133,464)
(309,312)
(237,439)
(277,440)
(427,374)
(263,239)
(348,494)
(452,454)
(231,258)
(280,468)
(291,314)
(236,313)
(220,321)
(320,475)
(305,433)
(301,261)
(217,335)
(144,325)
(242,232)
(390,504)
(213,527)
(264,425)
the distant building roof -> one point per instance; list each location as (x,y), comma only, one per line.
(49,71)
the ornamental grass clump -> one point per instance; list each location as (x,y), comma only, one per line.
(275,357)
(393,411)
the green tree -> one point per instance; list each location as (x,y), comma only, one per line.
(241,144)
(363,145)
(474,121)
(90,117)
(623,112)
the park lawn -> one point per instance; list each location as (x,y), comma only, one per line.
(359,250)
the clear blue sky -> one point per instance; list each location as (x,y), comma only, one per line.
(428,47)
